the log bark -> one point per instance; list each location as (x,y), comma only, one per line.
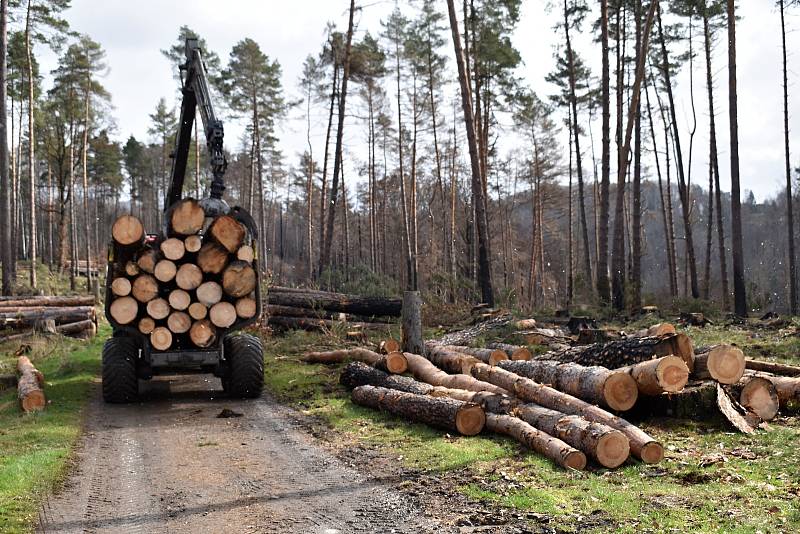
(411,323)
(121,287)
(46,301)
(165,271)
(203,334)
(668,374)
(612,389)
(608,446)
(548,337)
(173,248)
(394,362)
(60,315)
(198,311)
(209,293)
(179,299)
(452,415)
(128,231)
(309,323)
(773,367)
(186,217)
(616,354)
(189,276)
(179,322)
(515,352)
(161,338)
(238,279)
(212,258)
(546,445)
(146,325)
(358,373)
(490,402)
(228,232)
(30,386)
(449,360)
(469,335)
(723,363)
(85,327)
(246,253)
(193,243)
(643,446)
(488,356)
(758,395)
(145,288)
(222,314)
(124,310)
(787,387)
(246,307)
(158,309)
(425,371)
(337,302)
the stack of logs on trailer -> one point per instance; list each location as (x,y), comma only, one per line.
(21,316)
(565,403)
(309,309)
(182,290)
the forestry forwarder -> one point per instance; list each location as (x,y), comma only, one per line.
(236,358)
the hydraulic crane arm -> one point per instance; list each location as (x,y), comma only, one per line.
(196,95)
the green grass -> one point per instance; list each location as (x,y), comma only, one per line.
(35,448)
(713,480)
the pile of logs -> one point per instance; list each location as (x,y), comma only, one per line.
(72,316)
(186,288)
(565,404)
(309,309)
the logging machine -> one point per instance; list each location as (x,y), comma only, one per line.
(137,349)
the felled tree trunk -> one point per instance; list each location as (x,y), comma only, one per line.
(515,352)
(30,386)
(449,360)
(339,302)
(546,445)
(609,447)
(488,356)
(654,377)
(660,329)
(307,323)
(455,416)
(45,301)
(616,354)
(643,446)
(394,362)
(772,367)
(468,335)
(60,315)
(787,387)
(359,373)
(758,395)
(613,389)
(723,363)
(490,402)
(425,371)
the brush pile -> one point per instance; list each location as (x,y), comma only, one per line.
(21,316)
(568,403)
(186,288)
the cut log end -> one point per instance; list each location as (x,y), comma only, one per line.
(127,230)
(179,322)
(246,253)
(760,397)
(575,460)
(179,299)
(161,338)
(228,232)
(158,309)
(222,314)
(33,401)
(165,270)
(239,279)
(522,353)
(124,310)
(187,217)
(203,334)
(145,288)
(173,248)
(726,364)
(396,363)
(198,311)
(620,391)
(121,287)
(672,373)
(389,345)
(147,325)
(613,448)
(193,243)
(209,293)
(212,258)
(189,276)
(497,355)
(652,452)
(470,419)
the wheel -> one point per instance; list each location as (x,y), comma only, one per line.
(246,363)
(120,383)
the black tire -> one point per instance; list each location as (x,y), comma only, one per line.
(245,357)
(120,383)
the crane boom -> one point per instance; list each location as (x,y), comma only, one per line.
(197,95)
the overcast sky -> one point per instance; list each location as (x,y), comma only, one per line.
(133,33)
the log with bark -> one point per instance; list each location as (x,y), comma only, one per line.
(339,302)
(46,301)
(394,362)
(515,352)
(84,328)
(358,373)
(488,356)
(536,440)
(548,337)
(448,360)
(773,367)
(609,447)
(642,445)
(668,374)
(723,363)
(758,395)
(624,352)
(787,387)
(613,389)
(660,329)
(30,386)
(455,416)
(490,402)
(31,318)
(306,323)
(425,371)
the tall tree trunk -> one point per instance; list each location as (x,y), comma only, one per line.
(789,200)
(5,183)
(73,249)
(739,290)
(570,260)
(587,262)
(413,216)
(309,193)
(86,224)
(323,191)
(31,145)
(484,270)
(50,209)
(683,188)
(337,162)
(603,288)
(642,42)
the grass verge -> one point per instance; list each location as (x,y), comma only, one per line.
(712,480)
(35,448)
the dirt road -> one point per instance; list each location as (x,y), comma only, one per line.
(169,464)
